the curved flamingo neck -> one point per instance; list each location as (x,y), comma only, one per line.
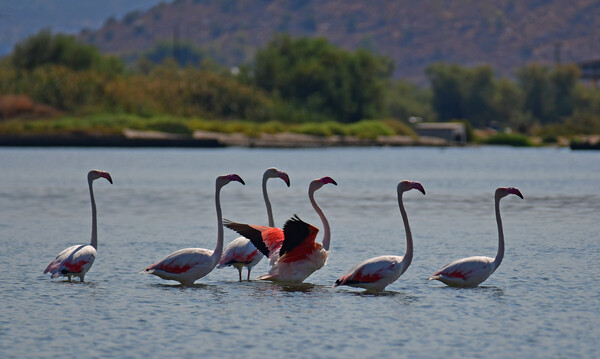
(500,254)
(408,256)
(94,241)
(267,202)
(326,230)
(219,249)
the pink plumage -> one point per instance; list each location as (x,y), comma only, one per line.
(376,273)
(240,252)
(293,253)
(190,264)
(77,260)
(472,271)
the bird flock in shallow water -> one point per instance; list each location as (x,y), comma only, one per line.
(292,251)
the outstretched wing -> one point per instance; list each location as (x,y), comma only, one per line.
(253,233)
(295,232)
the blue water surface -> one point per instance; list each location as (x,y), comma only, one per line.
(543,301)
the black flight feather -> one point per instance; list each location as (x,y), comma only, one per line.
(295,232)
(253,234)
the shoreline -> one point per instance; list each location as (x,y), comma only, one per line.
(204,139)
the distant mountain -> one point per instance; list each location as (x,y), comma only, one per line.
(19,19)
(506,34)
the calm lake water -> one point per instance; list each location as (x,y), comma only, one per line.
(543,301)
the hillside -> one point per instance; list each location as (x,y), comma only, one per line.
(504,33)
(20,19)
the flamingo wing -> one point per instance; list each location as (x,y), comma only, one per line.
(295,232)
(267,240)
(299,240)
(75,259)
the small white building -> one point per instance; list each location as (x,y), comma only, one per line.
(454,133)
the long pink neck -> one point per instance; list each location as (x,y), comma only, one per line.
(500,254)
(408,256)
(94,241)
(326,231)
(267,202)
(219,249)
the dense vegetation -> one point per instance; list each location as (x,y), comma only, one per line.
(299,84)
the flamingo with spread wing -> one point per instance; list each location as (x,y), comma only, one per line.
(293,253)
(240,252)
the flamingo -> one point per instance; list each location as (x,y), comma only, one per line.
(292,252)
(78,259)
(471,271)
(376,273)
(189,264)
(241,252)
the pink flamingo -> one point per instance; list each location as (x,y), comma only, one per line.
(77,260)
(292,252)
(188,265)
(376,273)
(471,271)
(241,252)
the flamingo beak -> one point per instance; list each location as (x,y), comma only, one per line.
(107,176)
(235,177)
(515,191)
(418,186)
(327,180)
(285,178)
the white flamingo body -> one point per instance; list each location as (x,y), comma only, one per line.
(185,265)
(376,273)
(190,264)
(240,252)
(294,255)
(472,271)
(74,261)
(466,272)
(77,260)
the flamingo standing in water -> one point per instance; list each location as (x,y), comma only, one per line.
(292,252)
(241,252)
(376,273)
(77,260)
(188,265)
(471,271)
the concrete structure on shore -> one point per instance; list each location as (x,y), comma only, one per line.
(453,133)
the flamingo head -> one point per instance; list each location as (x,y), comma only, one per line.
(274,173)
(95,174)
(225,179)
(404,186)
(320,182)
(505,191)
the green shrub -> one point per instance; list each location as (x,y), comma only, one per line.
(369,129)
(510,139)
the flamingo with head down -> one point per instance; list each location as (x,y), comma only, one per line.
(77,260)
(293,253)
(188,265)
(472,271)
(241,252)
(376,273)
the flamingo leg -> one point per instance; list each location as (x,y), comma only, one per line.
(240,272)
(69,277)
(81,278)
(249,273)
